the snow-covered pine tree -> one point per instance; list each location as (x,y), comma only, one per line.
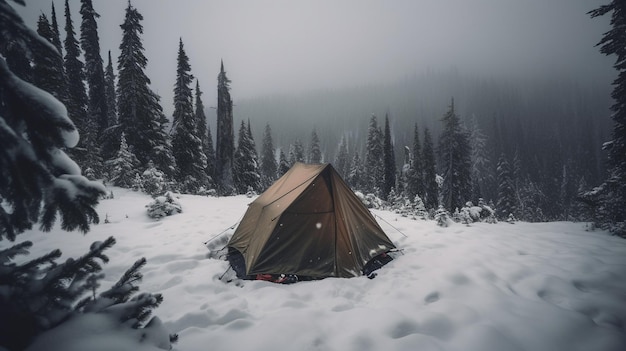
(415,173)
(48,72)
(245,170)
(204,133)
(296,152)
(315,154)
(90,42)
(355,176)
(389,162)
(123,168)
(611,195)
(225,136)
(342,160)
(431,188)
(54,26)
(374,168)
(269,168)
(506,191)
(110,139)
(454,150)
(186,145)
(210,157)
(140,113)
(39,182)
(85,152)
(283,164)
(482,174)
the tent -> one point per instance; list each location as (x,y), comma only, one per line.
(310,224)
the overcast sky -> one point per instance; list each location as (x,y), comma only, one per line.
(286,46)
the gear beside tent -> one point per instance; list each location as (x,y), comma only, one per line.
(308,224)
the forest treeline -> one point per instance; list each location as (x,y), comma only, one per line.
(540,137)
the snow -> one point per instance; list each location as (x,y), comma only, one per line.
(545,286)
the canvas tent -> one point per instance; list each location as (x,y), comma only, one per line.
(308,223)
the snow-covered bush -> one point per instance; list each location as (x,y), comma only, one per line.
(163,206)
(442,216)
(370,200)
(153,181)
(511,219)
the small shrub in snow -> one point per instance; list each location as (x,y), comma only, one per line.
(442,216)
(137,184)
(163,206)
(250,192)
(511,219)
(153,181)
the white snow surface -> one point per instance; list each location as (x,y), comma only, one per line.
(523,286)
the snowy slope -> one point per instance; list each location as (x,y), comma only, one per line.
(520,286)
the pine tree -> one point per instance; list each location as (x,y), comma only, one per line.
(283,164)
(225,137)
(342,161)
(123,167)
(431,188)
(210,157)
(611,195)
(269,168)
(54,26)
(186,145)
(48,72)
(84,152)
(482,177)
(389,162)
(140,113)
(90,42)
(39,182)
(506,191)
(245,169)
(315,154)
(455,152)
(374,168)
(204,134)
(296,152)
(356,177)
(415,174)
(111,136)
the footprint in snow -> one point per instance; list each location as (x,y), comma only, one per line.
(432,297)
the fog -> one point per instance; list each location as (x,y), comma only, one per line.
(286,47)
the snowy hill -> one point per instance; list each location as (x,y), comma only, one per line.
(549,286)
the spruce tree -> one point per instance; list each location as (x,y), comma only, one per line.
(111,136)
(315,154)
(76,105)
(90,42)
(54,26)
(506,192)
(355,176)
(431,188)
(186,145)
(611,195)
(342,161)
(245,169)
(210,157)
(374,168)
(283,164)
(415,174)
(225,135)
(481,171)
(389,162)
(296,152)
(269,168)
(48,72)
(455,153)
(123,167)
(140,113)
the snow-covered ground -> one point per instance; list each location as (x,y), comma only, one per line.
(550,286)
